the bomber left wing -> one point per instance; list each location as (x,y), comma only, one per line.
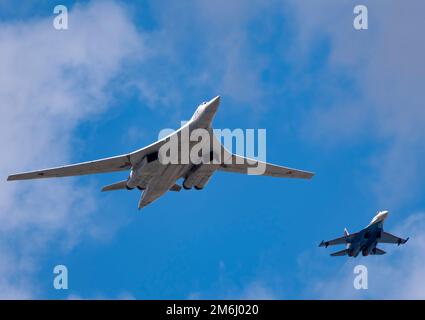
(389,238)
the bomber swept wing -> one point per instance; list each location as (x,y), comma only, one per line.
(240,164)
(112,164)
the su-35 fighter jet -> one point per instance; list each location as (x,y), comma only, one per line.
(366,240)
(154,176)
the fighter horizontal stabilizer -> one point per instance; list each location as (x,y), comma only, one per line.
(378,252)
(340,253)
(116,186)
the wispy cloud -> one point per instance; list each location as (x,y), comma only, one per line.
(379,97)
(50,81)
(256,288)
(208,49)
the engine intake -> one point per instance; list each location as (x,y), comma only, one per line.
(136,177)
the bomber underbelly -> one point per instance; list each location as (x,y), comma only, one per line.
(164,180)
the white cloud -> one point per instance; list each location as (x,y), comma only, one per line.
(386,76)
(207,48)
(50,81)
(257,291)
(257,288)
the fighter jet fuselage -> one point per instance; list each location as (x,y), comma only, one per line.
(366,240)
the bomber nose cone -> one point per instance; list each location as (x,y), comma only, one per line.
(215,101)
(212,107)
(213,104)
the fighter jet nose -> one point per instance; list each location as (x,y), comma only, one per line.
(384,214)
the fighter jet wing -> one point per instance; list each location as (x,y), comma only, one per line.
(240,164)
(389,238)
(341,240)
(118,163)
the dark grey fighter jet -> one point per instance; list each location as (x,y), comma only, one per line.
(366,240)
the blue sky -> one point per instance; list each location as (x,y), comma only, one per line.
(345,104)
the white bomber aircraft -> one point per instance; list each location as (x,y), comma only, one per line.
(155,178)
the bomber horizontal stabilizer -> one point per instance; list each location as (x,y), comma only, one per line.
(116,186)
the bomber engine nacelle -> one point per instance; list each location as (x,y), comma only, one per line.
(198,177)
(137,178)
